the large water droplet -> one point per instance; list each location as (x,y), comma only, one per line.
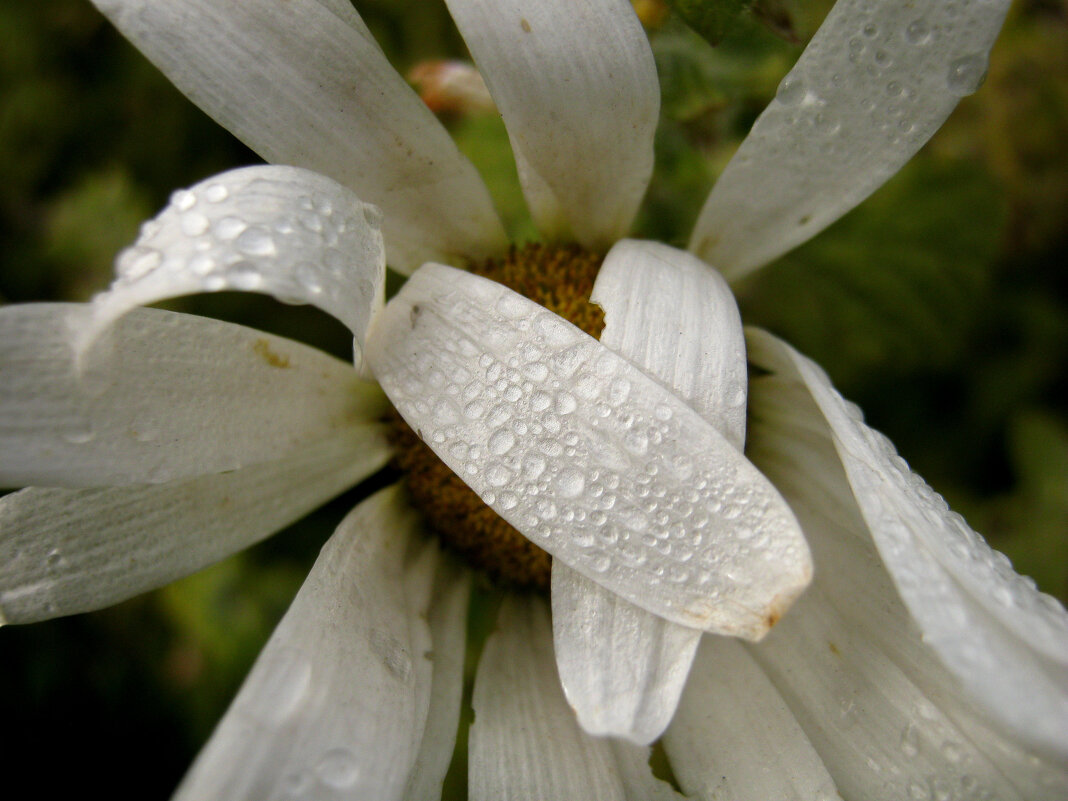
(338,768)
(966,74)
(790,91)
(256,241)
(918,32)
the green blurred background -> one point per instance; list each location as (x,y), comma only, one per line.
(940,306)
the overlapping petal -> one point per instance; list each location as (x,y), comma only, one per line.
(876,81)
(336,705)
(587,455)
(576,85)
(304,83)
(163,396)
(284,231)
(64,551)
(623,668)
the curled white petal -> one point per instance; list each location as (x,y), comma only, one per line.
(304,83)
(876,81)
(576,85)
(903,653)
(162,396)
(284,231)
(587,455)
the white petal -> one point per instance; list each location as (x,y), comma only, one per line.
(734,737)
(671,315)
(576,84)
(330,708)
(876,81)
(287,232)
(622,668)
(1003,640)
(887,716)
(448,629)
(163,396)
(525,744)
(587,455)
(304,83)
(65,551)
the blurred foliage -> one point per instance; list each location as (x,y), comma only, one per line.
(940,305)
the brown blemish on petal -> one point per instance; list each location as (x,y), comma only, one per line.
(263,350)
(524,25)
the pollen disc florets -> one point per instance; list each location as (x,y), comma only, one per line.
(560,279)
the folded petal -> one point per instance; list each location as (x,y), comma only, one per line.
(876,81)
(576,85)
(287,232)
(448,630)
(525,744)
(622,668)
(330,709)
(164,396)
(903,662)
(734,736)
(587,455)
(64,551)
(304,83)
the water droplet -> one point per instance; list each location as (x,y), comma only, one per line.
(80,435)
(565,403)
(256,241)
(55,558)
(285,679)
(308,277)
(966,74)
(194,224)
(918,791)
(497,475)
(202,264)
(216,193)
(372,216)
(338,768)
(910,746)
(870,30)
(918,32)
(893,88)
(501,442)
(183,200)
(790,91)
(138,261)
(230,227)
(570,483)
(243,275)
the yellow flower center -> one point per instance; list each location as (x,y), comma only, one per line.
(560,279)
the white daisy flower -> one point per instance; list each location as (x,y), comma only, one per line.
(917,664)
